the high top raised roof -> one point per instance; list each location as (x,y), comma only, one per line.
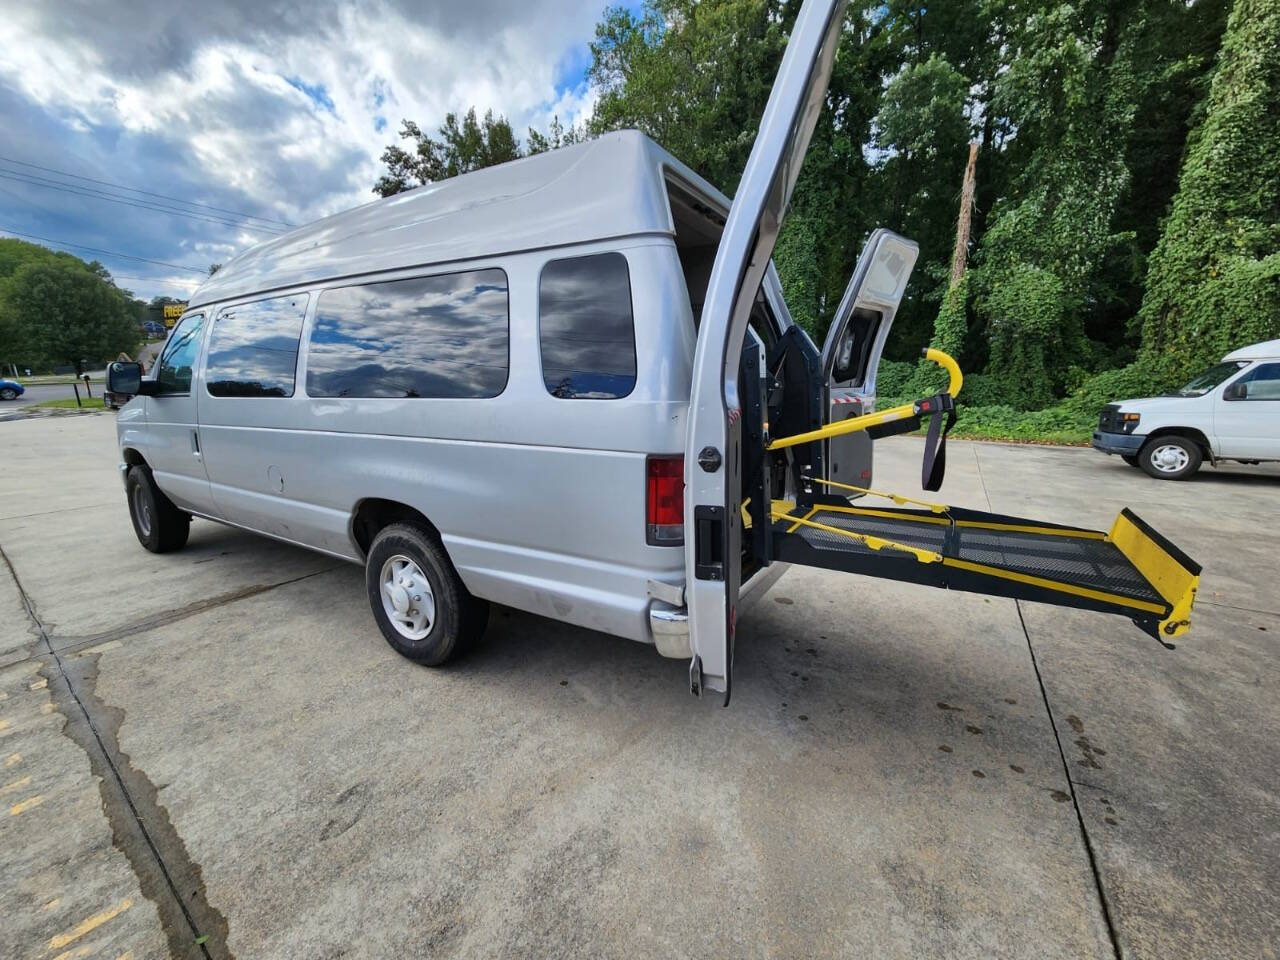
(612,186)
(1266,350)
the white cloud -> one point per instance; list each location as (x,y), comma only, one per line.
(267,108)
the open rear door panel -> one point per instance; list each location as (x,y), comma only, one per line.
(855,340)
(1131,570)
(713,446)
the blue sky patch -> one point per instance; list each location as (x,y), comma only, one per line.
(317,94)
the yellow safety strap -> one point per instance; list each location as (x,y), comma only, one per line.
(871,542)
(895,497)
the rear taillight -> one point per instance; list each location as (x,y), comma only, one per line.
(664,501)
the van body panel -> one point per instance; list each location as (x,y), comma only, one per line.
(171,444)
(539,501)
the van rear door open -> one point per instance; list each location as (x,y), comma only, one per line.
(713,449)
(853,346)
(1130,570)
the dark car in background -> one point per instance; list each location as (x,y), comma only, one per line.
(11,389)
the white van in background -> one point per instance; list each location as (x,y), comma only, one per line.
(1229,412)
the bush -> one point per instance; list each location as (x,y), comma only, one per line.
(892,377)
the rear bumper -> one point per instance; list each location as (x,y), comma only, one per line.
(1122,443)
(669,624)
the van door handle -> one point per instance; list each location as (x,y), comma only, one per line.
(709,546)
(195,444)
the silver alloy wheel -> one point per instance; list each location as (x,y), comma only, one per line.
(142,510)
(8,393)
(1170,458)
(407,599)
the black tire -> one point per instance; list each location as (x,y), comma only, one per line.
(459,618)
(1170,457)
(1130,458)
(159,525)
(8,393)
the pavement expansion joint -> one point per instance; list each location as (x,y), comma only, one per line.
(140,825)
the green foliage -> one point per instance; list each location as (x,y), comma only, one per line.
(1214,279)
(461,148)
(892,377)
(689,74)
(68,313)
(1082,111)
(922,113)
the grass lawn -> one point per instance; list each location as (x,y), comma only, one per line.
(69,403)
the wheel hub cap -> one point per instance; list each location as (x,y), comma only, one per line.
(407,598)
(1169,458)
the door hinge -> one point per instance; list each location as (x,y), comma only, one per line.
(695,676)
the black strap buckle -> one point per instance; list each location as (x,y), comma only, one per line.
(934,467)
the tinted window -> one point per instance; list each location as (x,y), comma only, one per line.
(851,356)
(1263,381)
(173,372)
(586,328)
(442,336)
(253,350)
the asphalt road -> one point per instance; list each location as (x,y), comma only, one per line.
(39,392)
(214,753)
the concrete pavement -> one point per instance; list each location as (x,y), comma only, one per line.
(218,744)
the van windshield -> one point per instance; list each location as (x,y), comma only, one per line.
(1199,386)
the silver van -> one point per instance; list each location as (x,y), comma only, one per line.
(570,385)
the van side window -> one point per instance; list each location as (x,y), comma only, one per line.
(586,327)
(1263,382)
(253,350)
(444,336)
(173,372)
(855,345)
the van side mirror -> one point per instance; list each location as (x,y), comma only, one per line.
(126,378)
(1237,391)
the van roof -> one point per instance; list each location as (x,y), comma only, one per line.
(612,186)
(1258,351)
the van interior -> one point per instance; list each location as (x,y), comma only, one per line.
(780,378)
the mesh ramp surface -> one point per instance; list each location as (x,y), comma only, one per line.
(1071,560)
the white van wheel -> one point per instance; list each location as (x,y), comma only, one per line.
(407,599)
(1170,457)
(417,598)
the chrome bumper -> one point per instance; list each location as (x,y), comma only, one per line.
(669,623)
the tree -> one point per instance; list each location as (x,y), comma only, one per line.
(1214,279)
(461,148)
(557,136)
(69,314)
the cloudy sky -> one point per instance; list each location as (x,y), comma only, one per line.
(246,115)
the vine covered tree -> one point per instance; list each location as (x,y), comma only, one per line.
(1214,281)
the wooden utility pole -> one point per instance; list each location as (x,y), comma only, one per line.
(960,257)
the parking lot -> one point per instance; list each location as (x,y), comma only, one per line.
(214,753)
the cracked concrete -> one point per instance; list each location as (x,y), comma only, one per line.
(887,782)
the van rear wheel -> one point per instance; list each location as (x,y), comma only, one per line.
(159,525)
(417,598)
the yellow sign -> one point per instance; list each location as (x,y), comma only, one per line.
(172,311)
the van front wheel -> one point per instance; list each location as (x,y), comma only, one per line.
(159,525)
(1170,457)
(417,598)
